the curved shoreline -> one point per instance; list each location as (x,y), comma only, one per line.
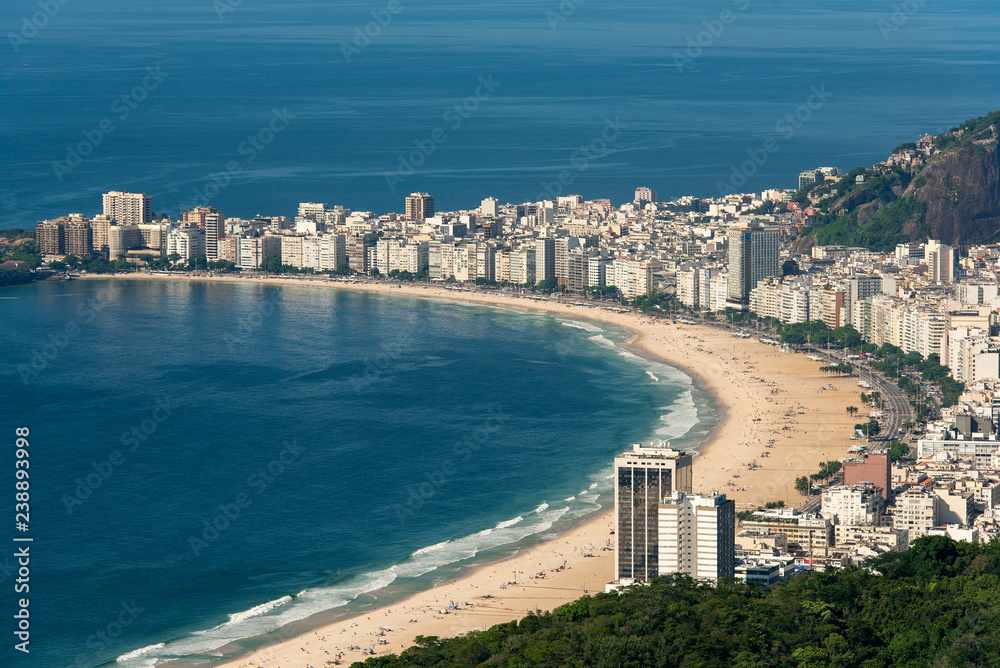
(659,341)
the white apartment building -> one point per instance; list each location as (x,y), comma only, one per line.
(291,251)
(188,242)
(254,252)
(121,239)
(486,261)
(522,266)
(488,207)
(687,286)
(972,355)
(313,210)
(696,535)
(719,292)
(597,271)
(916,512)
(633,278)
(860,504)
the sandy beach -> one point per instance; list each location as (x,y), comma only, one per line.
(782,418)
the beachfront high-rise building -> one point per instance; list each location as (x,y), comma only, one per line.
(644,196)
(187,242)
(419,206)
(545,258)
(357,251)
(644,476)
(128,208)
(100,225)
(753,256)
(79,238)
(50,237)
(697,536)
(121,239)
(214,224)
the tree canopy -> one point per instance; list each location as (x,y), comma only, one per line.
(936,604)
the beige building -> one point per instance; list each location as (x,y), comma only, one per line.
(128,208)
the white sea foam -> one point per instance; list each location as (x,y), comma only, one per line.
(142,651)
(430,548)
(509,523)
(542,508)
(653,376)
(679,418)
(259,610)
(604,341)
(570,498)
(585,326)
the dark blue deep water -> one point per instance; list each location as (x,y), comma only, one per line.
(560,69)
(371,441)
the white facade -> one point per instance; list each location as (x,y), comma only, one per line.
(916,512)
(314,210)
(859,505)
(488,208)
(633,278)
(254,252)
(697,536)
(597,271)
(188,242)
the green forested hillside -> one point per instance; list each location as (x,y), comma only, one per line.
(936,605)
(953,197)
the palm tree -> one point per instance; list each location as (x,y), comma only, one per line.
(851,410)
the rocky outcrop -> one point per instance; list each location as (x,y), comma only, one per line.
(961,188)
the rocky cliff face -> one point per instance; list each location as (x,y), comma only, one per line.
(954,197)
(961,188)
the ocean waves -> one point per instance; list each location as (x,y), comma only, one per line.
(269,616)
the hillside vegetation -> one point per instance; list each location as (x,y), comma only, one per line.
(953,197)
(936,605)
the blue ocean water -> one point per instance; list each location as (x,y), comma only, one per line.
(693,87)
(214,461)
